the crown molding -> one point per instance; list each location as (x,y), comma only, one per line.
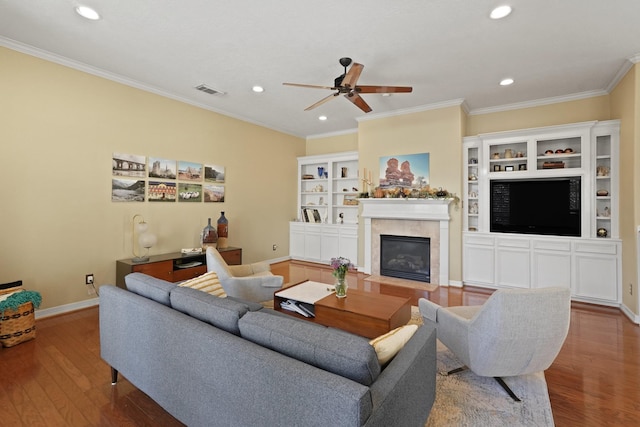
(626,66)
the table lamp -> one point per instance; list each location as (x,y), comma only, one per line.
(145,239)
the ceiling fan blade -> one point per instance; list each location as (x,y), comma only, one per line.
(352,76)
(311,86)
(322,101)
(358,101)
(383,89)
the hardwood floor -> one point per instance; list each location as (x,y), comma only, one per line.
(58,379)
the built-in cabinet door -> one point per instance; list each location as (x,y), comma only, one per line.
(478,260)
(349,244)
(596,266)
(551,264)
(312,244)
(513,265)
(296,241)
(330,243)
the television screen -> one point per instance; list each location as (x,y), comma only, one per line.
(536,206)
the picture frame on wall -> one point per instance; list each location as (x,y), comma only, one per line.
(189,171)
(131,165)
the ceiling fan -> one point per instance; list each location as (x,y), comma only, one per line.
(346,84)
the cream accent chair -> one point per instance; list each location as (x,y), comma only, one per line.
(250,282)
(515,332)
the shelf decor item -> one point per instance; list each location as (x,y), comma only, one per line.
(223,231)
(145,239)
(340,267)
(320,171)
(209,236)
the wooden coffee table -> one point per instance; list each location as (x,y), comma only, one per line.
(362,313)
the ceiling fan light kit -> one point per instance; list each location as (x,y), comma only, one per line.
(346,84)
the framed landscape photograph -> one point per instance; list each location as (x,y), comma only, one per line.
(214,173)
(213,193)
(129,165)
(188,192)
(162,168)
(127,190)
(189,171)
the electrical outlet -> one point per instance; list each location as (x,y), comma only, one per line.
(88,279)
(275,247)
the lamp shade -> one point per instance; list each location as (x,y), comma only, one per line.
(147,240)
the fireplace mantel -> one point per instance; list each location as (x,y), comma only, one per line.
(408,210)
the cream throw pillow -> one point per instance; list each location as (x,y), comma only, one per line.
(389,344)
(208,282)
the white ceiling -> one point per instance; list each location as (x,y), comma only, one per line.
(448,50)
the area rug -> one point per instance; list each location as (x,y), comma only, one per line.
(465,399)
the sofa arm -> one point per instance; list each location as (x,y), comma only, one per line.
(405,391)
(428,309)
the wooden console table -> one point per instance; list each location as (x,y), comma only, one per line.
(173,267)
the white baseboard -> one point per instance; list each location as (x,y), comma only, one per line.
(630,314)
(53,311)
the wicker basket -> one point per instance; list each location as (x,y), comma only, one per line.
(18,325)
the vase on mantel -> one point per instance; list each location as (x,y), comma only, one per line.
(341,287)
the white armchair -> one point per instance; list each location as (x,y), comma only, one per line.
(250,282)
(515,332)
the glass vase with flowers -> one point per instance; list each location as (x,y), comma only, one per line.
(340,267)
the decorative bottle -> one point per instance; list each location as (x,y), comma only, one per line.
(223,231)
(209,236)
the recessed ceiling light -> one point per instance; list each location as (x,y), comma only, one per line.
(257,89)
(87,12)
(506,82)
(500,12)
(322,118)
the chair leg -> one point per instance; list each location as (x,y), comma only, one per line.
(454,371)
(507,389)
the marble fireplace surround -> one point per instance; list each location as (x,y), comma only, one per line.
(407,217)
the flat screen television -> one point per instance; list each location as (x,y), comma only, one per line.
(549,206)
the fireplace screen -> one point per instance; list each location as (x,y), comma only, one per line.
(405,257)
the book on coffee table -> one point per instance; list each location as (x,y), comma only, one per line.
(308,292)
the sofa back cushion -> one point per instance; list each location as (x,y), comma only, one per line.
(222,313)
(150,287)
(333,350)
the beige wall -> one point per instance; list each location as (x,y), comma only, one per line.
(333,144)
(58,130)
(596,108)
(625,101)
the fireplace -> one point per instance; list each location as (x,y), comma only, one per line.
(428,218)
(405,257)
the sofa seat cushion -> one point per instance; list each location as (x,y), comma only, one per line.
(333,350)
(223,313)
(150,287)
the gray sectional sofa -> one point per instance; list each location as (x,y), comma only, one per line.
(224,362)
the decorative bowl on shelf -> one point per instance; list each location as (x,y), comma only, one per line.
(548,152)
(602,193)
(602,232)
(568,150)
